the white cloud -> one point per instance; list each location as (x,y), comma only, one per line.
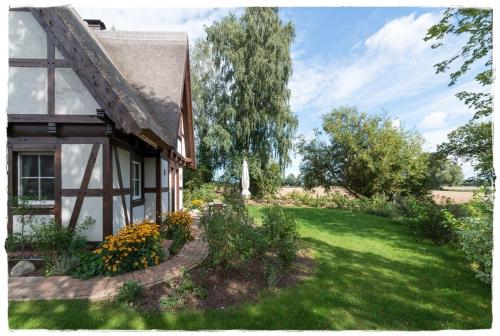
(433,120)
(190,20)
(396,63)
(435,137)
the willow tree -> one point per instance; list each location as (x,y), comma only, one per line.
(247,66)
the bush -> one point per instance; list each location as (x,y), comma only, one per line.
(426,218)
(205,192)
(281,233)
(134,247)
(129,292)
(177,223)
(231,235)
(475,235)
(197,204)
(59,245)
(89,265)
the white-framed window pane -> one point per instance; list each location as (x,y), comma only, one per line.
(46,165)
(29,166)
(47,189)
(29,187)
(136,188)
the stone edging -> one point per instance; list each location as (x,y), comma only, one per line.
(101,288)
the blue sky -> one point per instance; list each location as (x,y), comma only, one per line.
(373,58)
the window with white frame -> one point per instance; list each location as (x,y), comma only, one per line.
(36,177)
(136,180)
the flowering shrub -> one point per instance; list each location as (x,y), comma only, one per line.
(177,223)
(134,247)
(196,203)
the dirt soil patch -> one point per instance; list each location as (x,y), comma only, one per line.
(225,288)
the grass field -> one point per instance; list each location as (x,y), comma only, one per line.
(372,274)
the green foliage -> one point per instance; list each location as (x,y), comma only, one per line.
(240,92)
(206,192)
(59,245)
(282,234)
(472,142)
(364,154)
(443,172)
(265,181)
(475,234)
(129,292)
(89,265)
(292,181)
(231,235)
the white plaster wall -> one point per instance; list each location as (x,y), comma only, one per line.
(37,220)
(27,39)
(71,96)
(118,213)
(149,172)
(181,200)
(164,173)
(181,177)
(91,207)
(124,159)
(150,205)
(74,158)
(27,91)
(58,54)
(138,214)
(164,202)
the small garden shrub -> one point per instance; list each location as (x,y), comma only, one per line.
(282,234)
(59,245)
(177,223)
(134,247)
(129,292)
(197,204)
(180,292)
(205,192)
(231,234)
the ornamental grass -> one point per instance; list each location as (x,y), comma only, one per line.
(134,247)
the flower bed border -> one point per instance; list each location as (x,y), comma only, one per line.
(101,288)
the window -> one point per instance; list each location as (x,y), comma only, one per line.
(36,177)
(136,180)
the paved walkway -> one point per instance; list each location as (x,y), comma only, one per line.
(101,288)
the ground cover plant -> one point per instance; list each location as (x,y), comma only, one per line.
(371,273)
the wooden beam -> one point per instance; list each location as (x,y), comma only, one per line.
(107,183)
(120,183)
(51,80)
(84,186)
(56,118)
(10,185)
(58,184)
(158,188)
(76,192)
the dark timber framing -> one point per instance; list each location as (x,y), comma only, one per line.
(110,128)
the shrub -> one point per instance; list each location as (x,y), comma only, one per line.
(89,265)
(281,233)
(205,192)
(177,223)
(197,203)
(135,246)
(129,292)
(59,245)
(475,235)
(231,235)
(426,218)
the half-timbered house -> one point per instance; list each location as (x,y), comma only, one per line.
(99,121)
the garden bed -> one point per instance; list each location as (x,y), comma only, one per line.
(225,288)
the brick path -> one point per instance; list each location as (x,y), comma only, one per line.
(101,288)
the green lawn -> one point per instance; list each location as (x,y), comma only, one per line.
(372,274)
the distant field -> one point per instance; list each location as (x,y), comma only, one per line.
(459,194)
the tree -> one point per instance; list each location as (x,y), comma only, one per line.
(242,95)
(364,154)
(443,172)
(472,142)
(292,181)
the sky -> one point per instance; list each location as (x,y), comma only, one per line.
(372,58)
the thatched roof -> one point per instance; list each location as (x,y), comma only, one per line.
(146,70)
